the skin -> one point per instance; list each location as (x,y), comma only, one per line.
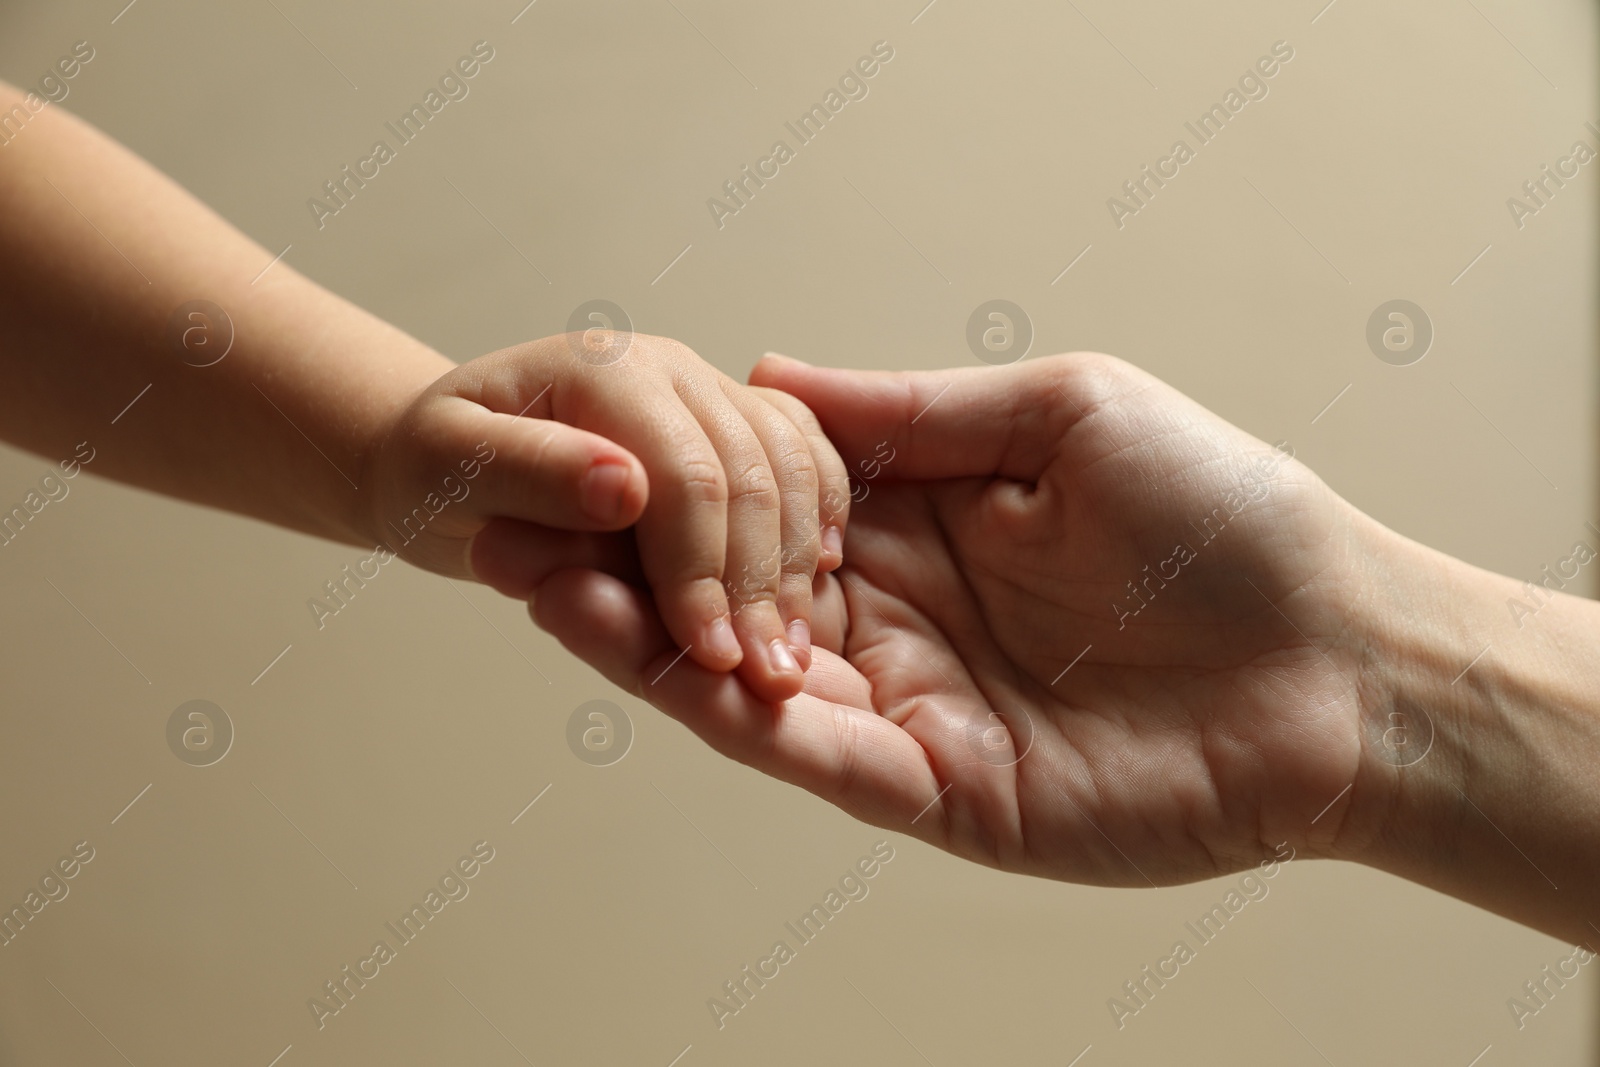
(980,678)
(981,681)
(306,411)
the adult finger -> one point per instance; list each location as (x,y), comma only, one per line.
(969,422)
(515,557)
(828,740)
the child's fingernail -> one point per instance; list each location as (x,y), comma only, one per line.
(721,641)
(832,541)
(799,632)
(602,489)
(783,661)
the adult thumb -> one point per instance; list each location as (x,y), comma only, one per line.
(968,422)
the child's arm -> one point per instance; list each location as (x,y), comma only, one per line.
(323,418)
(97,252)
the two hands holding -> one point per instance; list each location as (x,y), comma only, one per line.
(1076,625)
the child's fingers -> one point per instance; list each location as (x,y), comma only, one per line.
(535,469)
(753,562)
(683,535)
(833,479)
(796,476)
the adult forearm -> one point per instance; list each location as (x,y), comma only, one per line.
(1480,773)
(98,251)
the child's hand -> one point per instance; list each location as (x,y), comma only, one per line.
(737,498)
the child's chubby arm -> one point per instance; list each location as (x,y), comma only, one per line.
(529,460)
(278,399)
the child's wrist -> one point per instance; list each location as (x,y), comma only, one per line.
(407,382)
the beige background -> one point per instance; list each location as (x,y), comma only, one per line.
(425,718)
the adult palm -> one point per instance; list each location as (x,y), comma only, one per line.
(1085,629)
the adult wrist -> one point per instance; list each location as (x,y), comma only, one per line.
(1417,614)
(1478,734)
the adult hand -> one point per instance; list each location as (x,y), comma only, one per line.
(1085,629)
